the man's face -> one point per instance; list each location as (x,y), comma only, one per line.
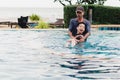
(79,13)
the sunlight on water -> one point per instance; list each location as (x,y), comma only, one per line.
(42,55)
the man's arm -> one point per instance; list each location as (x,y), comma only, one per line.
(86,35)
(70,34)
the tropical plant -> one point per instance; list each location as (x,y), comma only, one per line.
(71,2)
(63,2)
(42,25)
(34,17)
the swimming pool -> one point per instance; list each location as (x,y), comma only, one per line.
(41,55)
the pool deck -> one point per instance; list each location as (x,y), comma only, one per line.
(103,25)
(92,26)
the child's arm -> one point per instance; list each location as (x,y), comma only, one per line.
(79,38)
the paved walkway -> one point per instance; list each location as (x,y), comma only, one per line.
(102,25)
(93,26)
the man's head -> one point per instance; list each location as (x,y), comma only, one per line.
(80,28)
(79,11)
(79,8)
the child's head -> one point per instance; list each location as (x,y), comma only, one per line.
(80,28)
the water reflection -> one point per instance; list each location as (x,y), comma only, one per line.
(93,68)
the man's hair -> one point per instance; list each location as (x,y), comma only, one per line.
(78,8)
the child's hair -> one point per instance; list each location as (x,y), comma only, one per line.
(81,23)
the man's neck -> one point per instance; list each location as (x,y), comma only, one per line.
(80,19)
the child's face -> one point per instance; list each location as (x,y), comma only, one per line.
(80,28)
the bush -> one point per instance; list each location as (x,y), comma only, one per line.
(100,15)
(34,17)
(42,25)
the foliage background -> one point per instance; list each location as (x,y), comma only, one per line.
(100,14)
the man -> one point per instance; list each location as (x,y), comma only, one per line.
(75,22)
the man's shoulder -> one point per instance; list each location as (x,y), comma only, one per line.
(73,19)
(86,21)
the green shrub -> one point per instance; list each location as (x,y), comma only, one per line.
(34,17)
(100,15)
(42,25)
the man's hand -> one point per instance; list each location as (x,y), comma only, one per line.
(82,39)
(79,37)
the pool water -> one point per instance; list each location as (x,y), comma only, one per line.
(109,28)
(42,55)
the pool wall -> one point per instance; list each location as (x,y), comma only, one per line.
(107,27)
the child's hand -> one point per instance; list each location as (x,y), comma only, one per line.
(82,39)
(79,37)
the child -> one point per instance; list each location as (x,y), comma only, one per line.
(74,41)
